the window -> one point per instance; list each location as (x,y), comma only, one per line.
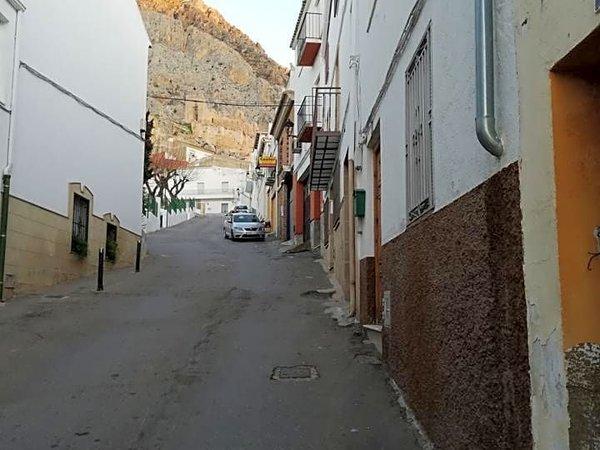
(419,171)
(225,186)
(111,242)
(79,234)
(201,187)
(224,208)
(246,218)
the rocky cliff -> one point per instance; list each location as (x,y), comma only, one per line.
(196,54)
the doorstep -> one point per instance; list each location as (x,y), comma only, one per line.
(374,335)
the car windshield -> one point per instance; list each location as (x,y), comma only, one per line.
(245,218)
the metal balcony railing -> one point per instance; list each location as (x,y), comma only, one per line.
(326,109)
(305,119)
(326,136)
(310,31)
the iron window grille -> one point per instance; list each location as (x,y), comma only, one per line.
(419,158)
(80,231)
(111,242)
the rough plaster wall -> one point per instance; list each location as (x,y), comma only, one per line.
(367,290)
(457,344)
(583,371)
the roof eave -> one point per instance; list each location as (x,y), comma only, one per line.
(16,4)
(298,22)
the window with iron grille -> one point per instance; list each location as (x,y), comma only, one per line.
(419,164)
(111,242)
(79,234)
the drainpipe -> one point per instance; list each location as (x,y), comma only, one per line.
(485,122)
(6,175)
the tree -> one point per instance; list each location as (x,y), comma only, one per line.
(165,176)
(148,149)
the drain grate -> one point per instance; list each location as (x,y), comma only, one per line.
(295,373)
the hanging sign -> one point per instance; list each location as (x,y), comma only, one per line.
(267,162)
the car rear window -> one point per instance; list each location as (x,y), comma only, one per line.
(245,218)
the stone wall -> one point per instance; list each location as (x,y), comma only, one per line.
(457,344)
(39,248)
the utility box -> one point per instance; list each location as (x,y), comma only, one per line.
(360,200)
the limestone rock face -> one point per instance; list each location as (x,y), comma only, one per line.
(197,55)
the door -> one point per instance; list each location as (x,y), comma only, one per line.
(377,232)
(288,215)
(306,213)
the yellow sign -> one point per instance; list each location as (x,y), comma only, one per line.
(267,162)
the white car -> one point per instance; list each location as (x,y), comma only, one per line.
(243,226)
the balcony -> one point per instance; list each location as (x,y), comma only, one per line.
(309,39)
(305,120)
(326,136)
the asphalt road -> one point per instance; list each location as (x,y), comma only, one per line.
(181,357)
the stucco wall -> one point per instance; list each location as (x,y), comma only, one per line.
(97,49)
(7,42)
(545,34)
(460,162)
(57,142)
(457,344)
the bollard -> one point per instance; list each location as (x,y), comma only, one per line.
(138,256)
(101,270)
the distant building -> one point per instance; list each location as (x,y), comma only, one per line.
(76,148)
(217,183)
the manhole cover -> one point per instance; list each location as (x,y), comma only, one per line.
(295,373)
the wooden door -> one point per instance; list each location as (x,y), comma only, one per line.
(306,213)
(377,233)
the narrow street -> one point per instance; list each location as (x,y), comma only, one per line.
(181,357)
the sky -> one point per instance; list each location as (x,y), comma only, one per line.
(268,22)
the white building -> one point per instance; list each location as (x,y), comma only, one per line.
(76,153)
(263,175)
(419,222)
(10,11)
(217,183)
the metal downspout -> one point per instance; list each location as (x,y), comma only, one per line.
(485,122)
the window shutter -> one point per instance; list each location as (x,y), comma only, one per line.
(419,161)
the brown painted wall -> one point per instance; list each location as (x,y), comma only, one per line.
(457,344)
(367,291)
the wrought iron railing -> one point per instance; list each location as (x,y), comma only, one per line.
(326,109)
(310,29)
(305,115)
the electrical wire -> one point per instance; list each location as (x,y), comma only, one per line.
(216,103)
